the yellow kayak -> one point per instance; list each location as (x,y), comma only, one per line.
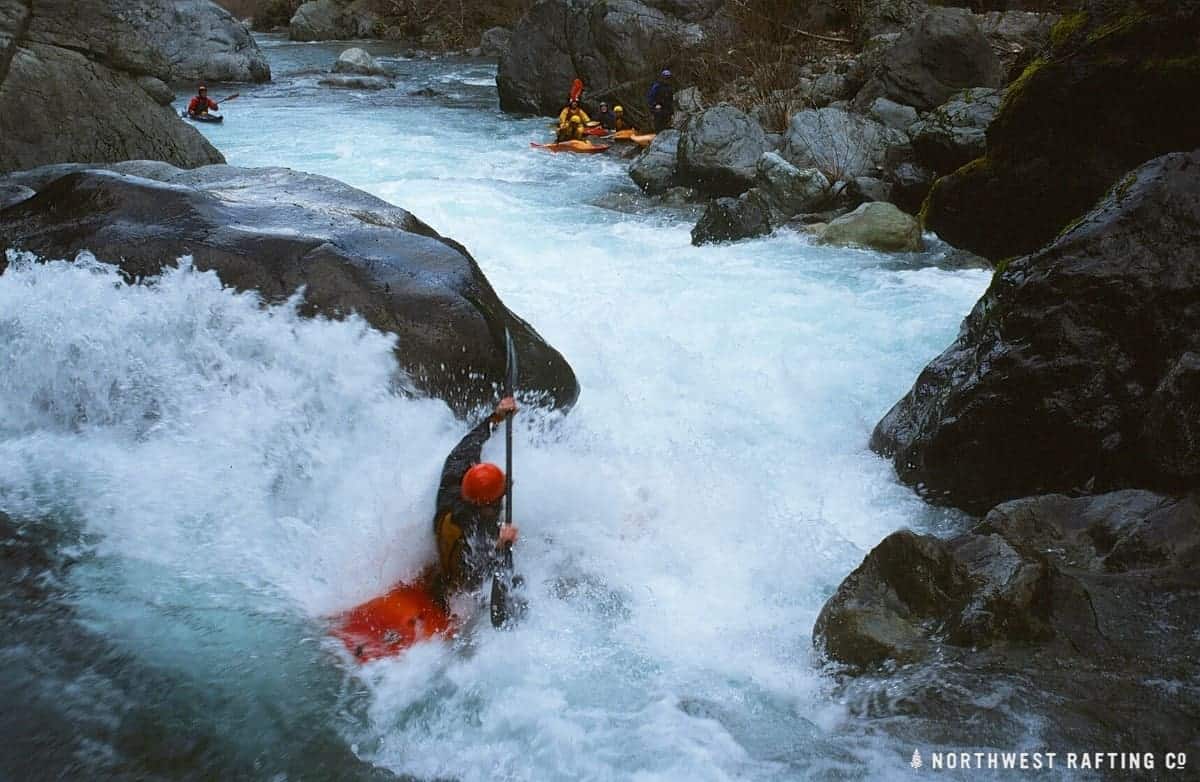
(571,146)
(643,140)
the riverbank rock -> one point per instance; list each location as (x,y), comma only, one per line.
(654,170)
(614,46)
(200,40)
(943,53)
(1017,37)
(494,42)
(719,151)
(358,61)
(1080,603)
(839,144)
(328,20)
(788,190)
(63,54)
(1105,100)
(275,231)
(730,219)
(1062,372)
(955,133)
(876,225)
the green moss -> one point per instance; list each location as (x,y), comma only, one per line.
(1015,90)
(1067,27)
(1118,27)
(1122,188)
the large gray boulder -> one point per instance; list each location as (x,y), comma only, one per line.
(719,151)
(358,61)
(1017,36)
(277,231)
(955,133)
(494,41)
(840,144)
(614,46)
(200,40)
(328,20)
(943,53)
(875,225)
(351,81)
(1074,369)
(788,190)
(655,169)
(59,55)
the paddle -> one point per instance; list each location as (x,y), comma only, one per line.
(228,98)
(504,607)
(576,89)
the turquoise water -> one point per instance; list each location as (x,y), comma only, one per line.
(681,528)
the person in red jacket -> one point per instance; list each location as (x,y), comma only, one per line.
(201,103)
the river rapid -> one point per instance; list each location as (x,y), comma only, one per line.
(195,482)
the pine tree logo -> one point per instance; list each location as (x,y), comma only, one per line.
(916,759)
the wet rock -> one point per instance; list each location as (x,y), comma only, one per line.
(955,133)
(346,81)
(838,143)
(1054,148)
(731,219)
(654,170)
(943,53)
(1064,372)
(788,190)
(719,151)
(276,231)
(14,194)
(358,61)
(878,226)
(157,89)
(495,41)
(200,40)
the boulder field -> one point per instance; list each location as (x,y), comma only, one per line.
(275,231)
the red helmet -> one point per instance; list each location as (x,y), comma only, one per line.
(483,484)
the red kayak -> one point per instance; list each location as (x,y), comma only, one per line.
(388,625)
(571,146)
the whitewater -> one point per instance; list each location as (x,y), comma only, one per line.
(203,478)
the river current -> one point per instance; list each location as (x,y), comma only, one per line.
(195,482)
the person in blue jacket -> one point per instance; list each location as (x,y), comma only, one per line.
(661,100)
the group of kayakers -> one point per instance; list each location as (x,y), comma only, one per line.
(574,122)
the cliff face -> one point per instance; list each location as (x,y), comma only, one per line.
(84,80)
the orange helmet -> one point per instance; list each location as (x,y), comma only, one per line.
(483,484)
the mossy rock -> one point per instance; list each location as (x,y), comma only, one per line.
(1115,90)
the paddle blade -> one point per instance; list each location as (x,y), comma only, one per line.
(576,89)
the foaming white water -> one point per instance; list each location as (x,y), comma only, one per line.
(195,430)
(681,528)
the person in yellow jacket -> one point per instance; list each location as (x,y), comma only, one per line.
(571,130)
(620,122)
(573,109)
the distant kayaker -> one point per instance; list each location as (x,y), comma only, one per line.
(607,119)
(466,523)
(573,109)
(661,100)
(200,104)
(619,120)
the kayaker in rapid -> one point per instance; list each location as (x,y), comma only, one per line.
(661,99)
(199,105)
(619,120)
(606,118)
(466,523)
(573,109)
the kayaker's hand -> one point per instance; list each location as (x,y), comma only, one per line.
(507,407)
(508,535)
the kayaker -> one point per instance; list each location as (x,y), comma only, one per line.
(607,119)
(573,109)
(200,104)
(573,130)
(661,99)
(466,523)
(619,121)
